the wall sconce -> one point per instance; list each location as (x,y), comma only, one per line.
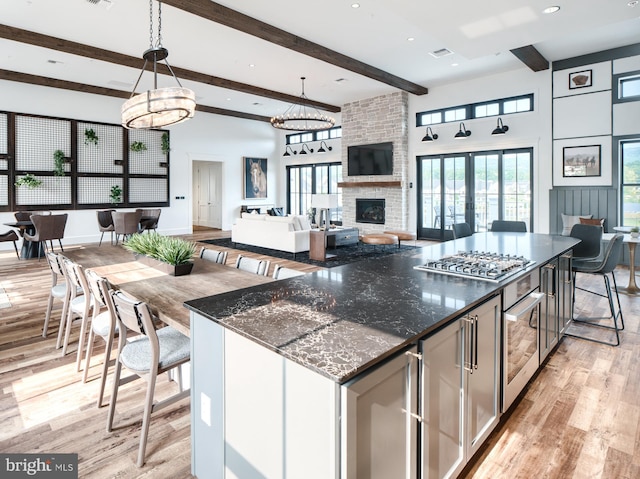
(321,149)
(430,136)
(500,129)
(303,152)
(463,133)
(288,151)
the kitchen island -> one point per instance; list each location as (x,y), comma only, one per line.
(281,371)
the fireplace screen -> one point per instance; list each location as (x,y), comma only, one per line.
(370,211)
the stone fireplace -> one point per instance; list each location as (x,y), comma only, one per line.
(370,211)
(377,120)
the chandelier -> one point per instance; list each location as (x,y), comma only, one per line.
(161,106)
(301,117)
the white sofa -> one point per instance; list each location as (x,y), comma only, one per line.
(284,233)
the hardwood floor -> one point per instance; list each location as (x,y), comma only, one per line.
(580,417)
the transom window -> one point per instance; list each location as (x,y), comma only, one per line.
(308,136)
(629,87)
(498,107)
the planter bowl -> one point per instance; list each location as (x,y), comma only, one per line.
(177,270)
(634,234)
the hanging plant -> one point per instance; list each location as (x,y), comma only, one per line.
(165,143)
(29,181)
(115,196)
(90,136)
(138,146)
(58,158)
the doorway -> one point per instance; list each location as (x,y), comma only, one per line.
(207,194)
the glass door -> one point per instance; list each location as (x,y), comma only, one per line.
(442,193)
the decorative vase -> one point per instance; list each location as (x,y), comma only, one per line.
(173,270)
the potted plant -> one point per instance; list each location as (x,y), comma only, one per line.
(168,254)
(634,231)
(165,143)
(138,146)
(58,159)
(115,195)
(90,136)
(29,181)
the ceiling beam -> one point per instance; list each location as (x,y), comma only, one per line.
(96,90)
(225,16)
(531,57)
(66,46)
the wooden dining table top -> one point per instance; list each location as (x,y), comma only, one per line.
(165,294)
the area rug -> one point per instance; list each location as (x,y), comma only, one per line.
(344,254)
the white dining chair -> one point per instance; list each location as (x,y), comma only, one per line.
(252,265)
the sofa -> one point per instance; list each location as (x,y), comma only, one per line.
(284,233)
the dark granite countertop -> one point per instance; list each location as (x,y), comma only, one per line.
(343,320)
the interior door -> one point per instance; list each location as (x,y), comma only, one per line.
(207,194)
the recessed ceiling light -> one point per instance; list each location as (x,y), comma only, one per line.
(410,39)
(355,5)
(251,65)
(454,64)
(552,9)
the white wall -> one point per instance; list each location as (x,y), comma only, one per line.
(205,137)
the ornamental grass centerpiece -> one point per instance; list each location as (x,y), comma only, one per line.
(165,253)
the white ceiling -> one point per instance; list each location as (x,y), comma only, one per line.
(479,33)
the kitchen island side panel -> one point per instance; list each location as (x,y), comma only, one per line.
(279,418)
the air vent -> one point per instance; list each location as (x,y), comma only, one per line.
(105,3)
(443,52)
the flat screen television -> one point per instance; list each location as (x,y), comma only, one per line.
(365,160)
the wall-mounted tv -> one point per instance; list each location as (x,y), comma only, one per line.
(365,160)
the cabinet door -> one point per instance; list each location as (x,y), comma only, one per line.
(442,410)
(565,292)
(379,435)
(482,391)
(549,309)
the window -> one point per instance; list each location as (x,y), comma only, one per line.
(335,132)
(630,188)
(504,106)
(629,87)
(305,180)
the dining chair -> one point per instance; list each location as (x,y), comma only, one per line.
(80,306)
(149,218)
(151,353)
(11,235)
(509,226)
(47,228)
(602,267)
(126,223)
(252,265)
(103,324)
(281,272)
(59,290)
(105,223)
(214,255)
(461,230)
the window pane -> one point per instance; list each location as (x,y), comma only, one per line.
(493,109)
(487,190)
(306,137)
(509,106)
(524,104)
(481,111)
(629,87)
(322,135)
(630,183)
(335,133)
(431,212)
(294,139)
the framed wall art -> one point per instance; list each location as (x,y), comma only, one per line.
(581,79)
(255,177)
(581,161)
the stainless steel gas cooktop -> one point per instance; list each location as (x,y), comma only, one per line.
(477,265)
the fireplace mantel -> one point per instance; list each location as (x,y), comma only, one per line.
(370,184)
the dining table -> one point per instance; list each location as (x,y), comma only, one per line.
(165,294)
(631,242)
(29,249)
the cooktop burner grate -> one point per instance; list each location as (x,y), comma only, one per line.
(477,265)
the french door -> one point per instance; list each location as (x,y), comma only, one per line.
(474,188)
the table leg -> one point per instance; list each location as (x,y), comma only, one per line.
(632,287)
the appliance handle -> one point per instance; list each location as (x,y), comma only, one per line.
(538,297)
(468,365)
(475,334)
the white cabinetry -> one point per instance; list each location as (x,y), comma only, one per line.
(460,390)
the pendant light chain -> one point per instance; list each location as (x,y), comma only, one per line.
(159,23)
(150,23)
(159,39)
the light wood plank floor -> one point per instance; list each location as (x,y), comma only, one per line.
(579,418)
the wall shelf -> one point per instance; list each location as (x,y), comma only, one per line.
(370,184)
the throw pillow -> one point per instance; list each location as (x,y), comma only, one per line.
(304,223)
(592,221)
(568,221)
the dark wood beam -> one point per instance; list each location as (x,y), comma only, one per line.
(66,46)
(96,90)
(531,57)
(225,16)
